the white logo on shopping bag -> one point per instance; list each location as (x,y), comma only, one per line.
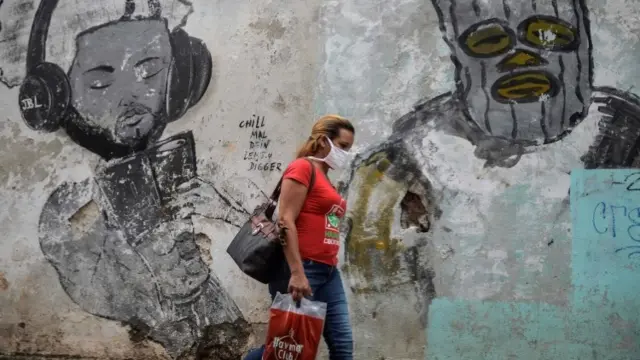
(286,347)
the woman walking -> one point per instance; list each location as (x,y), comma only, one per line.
(311,217)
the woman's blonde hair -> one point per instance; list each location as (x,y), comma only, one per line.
(329,126)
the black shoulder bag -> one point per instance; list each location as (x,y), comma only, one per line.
(257,248)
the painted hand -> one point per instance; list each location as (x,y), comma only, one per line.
(617,144)
(199,197)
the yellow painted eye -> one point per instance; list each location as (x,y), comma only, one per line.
(548,33)
(487,39)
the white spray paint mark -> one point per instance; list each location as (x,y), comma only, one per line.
(125,60)
(547,36)
(195,314)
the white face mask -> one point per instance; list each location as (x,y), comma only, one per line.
(336,159)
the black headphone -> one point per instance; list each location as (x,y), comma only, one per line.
(45,93)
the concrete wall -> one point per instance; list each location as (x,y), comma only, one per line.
(462,240)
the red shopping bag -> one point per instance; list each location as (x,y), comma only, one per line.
(294,332)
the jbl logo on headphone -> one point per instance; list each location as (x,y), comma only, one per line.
(30,104)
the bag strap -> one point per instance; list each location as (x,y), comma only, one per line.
(275,195)
(312,181)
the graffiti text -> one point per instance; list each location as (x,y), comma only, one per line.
(258,154)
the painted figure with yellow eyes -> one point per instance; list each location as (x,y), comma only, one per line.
(465,197)
(124,242)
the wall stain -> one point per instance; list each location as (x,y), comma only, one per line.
(280,104)
(272,28)
(24,158)
(4,283)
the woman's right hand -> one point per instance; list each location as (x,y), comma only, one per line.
(299,286)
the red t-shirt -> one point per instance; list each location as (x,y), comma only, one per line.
(319,220)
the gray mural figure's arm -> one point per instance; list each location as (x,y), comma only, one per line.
(396,159)
(98,269)
(391,208)
(157,282)
(393,205)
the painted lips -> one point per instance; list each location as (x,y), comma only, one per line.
(133,114)
(524,87)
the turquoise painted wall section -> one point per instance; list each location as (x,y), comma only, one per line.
(602,320)
(606,261)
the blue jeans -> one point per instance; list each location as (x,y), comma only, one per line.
(326,286)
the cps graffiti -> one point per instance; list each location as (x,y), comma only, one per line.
(123,243)
(620,221)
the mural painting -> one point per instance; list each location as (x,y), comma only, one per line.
(123,243)
(450,181)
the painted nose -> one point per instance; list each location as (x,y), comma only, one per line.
(520,59)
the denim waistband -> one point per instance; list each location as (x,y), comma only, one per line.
(313,262)
(326,267)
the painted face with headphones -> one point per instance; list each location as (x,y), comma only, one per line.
(129,78)
(118,80)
